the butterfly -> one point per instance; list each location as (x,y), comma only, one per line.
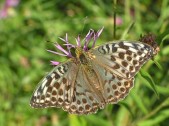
(93,77)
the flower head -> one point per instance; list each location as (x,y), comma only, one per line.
(91,35)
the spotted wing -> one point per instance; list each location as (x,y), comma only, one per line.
(123,58)
(56,88)
(86,100)
(115,88)
(116,64)
(67,86)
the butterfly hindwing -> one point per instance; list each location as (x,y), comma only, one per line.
(123,58)
(85,99)
(115,88)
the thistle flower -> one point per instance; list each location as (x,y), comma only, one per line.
(91,35)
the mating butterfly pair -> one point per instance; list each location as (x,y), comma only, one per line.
(93,77)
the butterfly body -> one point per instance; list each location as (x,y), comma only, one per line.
(91,75)
(93,78)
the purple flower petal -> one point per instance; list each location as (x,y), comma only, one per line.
(70,45)
(55,63)
(3,13)
(78,41)
(62,39)
(97,36)
(12,3)
(87,39)
(99,32)
(61,49)
(66,38)
(56,53)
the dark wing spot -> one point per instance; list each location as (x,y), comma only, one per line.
(124,63)
(60,70)
(113,58)
(49,89)
(64,80)
(121,55)
(135,62)
(53,99)
(53,92)
(42,97)
(49,79)
(87,107)
(108,48)
(121,44)
(57,85)
(131,68)
(114,86)
(116,93)
(60,92)
(60,100)
(139,53)
(128,52)
(129,58)
(84,100)
(122,89)
(57,76)
(118,83)
(114,49)
(116,66)
(91,98)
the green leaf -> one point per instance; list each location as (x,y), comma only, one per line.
(158,65)
(148,78)
(138,100)
(97,121)
(158,118)
(125,105)
(164,38)
(127,30)
(74,120)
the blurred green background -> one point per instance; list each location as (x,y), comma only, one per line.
(26,25)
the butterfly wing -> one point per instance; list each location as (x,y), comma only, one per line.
(116,64)
(85,100)
(115,88)
(56,88)
(122,58)
(66,86)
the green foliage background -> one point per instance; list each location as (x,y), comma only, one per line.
(24,61)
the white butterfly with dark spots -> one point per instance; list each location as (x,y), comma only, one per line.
(93,77)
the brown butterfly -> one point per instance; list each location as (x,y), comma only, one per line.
(93,77)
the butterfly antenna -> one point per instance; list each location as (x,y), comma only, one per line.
(84,23)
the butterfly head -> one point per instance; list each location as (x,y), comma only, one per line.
(78,52)
(150,40)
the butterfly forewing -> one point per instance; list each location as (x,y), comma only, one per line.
(122,58)
(116,64)
(55,89)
